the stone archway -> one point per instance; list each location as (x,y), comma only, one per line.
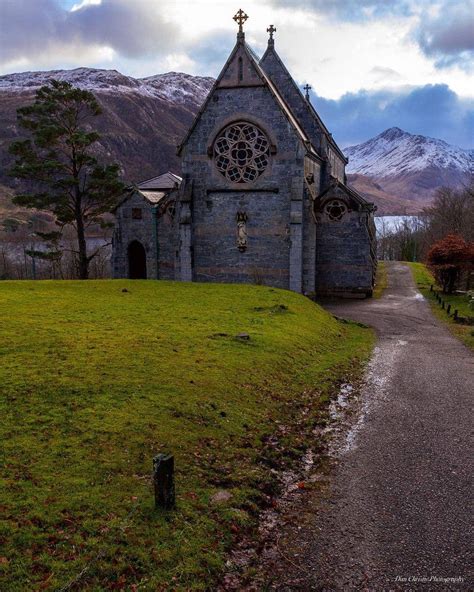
(136,261)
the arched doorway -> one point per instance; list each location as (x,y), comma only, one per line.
(136,261)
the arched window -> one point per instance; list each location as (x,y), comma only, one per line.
(241,152)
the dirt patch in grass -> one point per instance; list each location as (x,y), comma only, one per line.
(96,381)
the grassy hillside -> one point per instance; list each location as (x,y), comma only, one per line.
(97,377)
(424,279)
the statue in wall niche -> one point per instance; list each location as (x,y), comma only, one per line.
(242,231)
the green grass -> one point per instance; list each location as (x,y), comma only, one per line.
(424,279)
(381,279)
(95,381)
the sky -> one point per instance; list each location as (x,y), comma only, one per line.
(372,64)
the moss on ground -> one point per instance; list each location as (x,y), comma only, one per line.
(97,377)
(424,279)
(381,279)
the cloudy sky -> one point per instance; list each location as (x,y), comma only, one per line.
(372,64)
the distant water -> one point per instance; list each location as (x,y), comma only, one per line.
(391,223)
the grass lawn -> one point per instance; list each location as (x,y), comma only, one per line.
(381,279)
(95,381)
(424,280)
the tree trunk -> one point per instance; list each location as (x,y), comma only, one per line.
(81,242)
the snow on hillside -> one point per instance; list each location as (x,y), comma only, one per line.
(395,152)
(178,87)
(175,87)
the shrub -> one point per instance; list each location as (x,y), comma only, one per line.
(448,258)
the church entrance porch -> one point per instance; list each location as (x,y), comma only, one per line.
(136,261)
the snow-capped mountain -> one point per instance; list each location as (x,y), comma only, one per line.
(142,121)
(394,152)
(398,167)
(176,87)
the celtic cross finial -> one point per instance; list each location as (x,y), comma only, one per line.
(307,88)
(271,29)
(240,19)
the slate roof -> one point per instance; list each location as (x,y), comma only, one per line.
(154,189)
(271,50)
(153,197)
(351,193)
(166,181)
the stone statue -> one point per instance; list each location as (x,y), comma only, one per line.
(242,231)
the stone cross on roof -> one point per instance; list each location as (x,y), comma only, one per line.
(240,18)
(271,29)
(307,88)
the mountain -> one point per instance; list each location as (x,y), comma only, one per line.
(142,123)
(401,171)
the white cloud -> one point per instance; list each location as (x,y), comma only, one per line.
(85,3)
(143,37)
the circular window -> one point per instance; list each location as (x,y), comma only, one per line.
(241,152)
(335,209)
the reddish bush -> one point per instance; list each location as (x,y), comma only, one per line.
(448,258)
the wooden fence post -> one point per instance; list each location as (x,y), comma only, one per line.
(163,481)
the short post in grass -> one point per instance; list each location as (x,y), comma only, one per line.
(442,304)
(163,481)
(431,288)
(455,315)
(448,310)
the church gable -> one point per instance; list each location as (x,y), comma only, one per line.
(240,70)
(338,192)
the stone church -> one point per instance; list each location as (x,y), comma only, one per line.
(262,197)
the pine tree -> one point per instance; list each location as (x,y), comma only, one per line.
(58,162)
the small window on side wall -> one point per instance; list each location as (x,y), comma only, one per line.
(335,210)
(136,213)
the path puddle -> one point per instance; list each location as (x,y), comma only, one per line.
(341,411)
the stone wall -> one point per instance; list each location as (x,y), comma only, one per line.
(273,203)
(128,229)
(344,263)
(166,245)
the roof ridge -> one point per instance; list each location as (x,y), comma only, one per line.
(309,105)
(352,192)
(158,176)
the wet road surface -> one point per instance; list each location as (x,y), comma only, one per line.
(397,512)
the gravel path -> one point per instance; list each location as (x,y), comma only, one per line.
(396,513)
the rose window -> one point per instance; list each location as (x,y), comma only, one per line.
(335,209)
(241,152)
